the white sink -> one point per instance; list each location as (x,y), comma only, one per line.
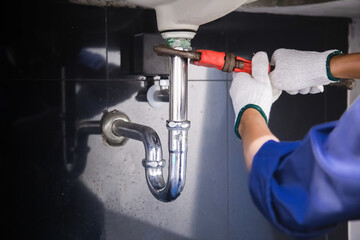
(178,18)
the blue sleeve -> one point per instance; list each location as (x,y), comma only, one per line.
(306,188)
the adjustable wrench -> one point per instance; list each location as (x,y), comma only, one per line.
(226,62)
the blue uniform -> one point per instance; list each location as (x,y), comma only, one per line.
(306,188)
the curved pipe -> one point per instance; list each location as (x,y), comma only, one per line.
(176,169)
(74,151)
(116,126)
(145,134)
(154,162)
(178,126)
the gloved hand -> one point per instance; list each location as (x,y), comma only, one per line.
(253,91)
(301,71)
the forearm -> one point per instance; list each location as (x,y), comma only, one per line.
(345,66)
(254,133)
(285,173)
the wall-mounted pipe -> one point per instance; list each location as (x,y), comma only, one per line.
(75,151)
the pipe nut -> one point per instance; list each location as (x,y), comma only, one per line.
(107,122)
(153,164)
(178,125)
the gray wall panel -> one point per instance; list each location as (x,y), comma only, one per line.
(115,174)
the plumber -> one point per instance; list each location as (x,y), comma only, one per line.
(304,188)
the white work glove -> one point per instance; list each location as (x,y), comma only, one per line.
(253,91)
(301,71)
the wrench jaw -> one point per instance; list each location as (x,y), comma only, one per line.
(166,51)
(211,59)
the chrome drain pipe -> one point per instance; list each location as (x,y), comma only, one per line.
(116,127)
(177,126)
